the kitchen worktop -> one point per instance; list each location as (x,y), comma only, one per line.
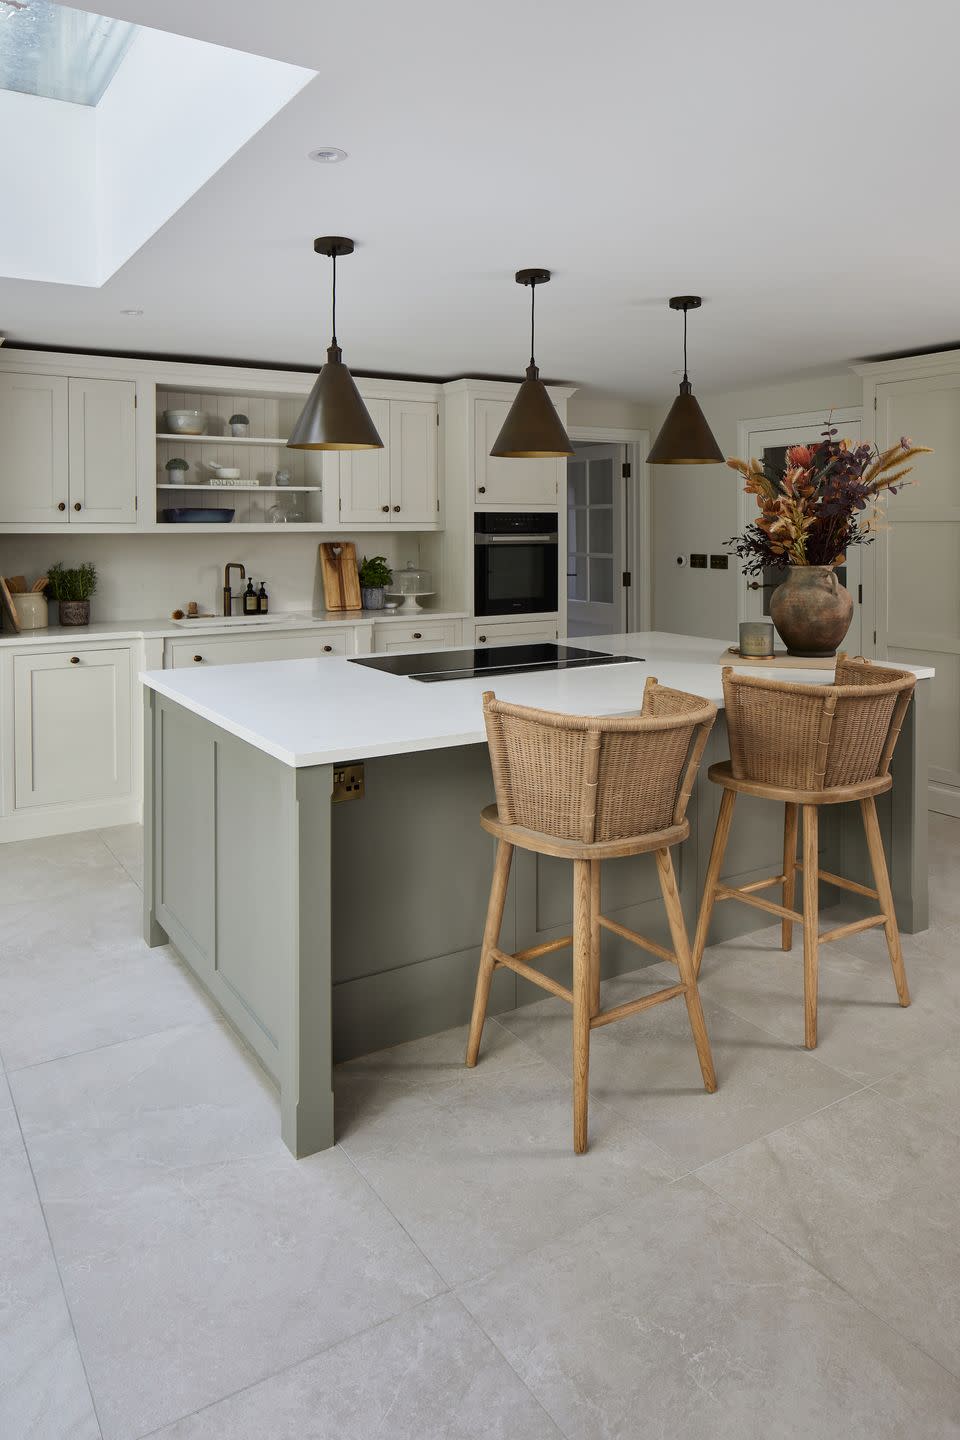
(105,630)
(323,712)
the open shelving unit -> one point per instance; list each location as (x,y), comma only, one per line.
(258,456)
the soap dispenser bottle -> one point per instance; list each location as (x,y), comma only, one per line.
(249,599)
(263,599)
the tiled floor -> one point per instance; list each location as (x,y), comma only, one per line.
(781,1259)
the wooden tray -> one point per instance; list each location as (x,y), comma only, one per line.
(779,660)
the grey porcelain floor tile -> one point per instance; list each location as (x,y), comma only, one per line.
(43,1390)
(478,1165)
(431,1374)
(125,842)
(677,1317)
(197,1255)
(646,1068)
(862,1030)
(54,868)
(107,912)
(930,1088)
(867,1193)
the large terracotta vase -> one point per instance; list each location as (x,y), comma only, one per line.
(811,610)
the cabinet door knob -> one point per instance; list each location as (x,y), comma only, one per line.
(396,509)
(753,584)
(62,505)
(417,635)
(327,649)
(197,659)
(74,659)
(385,509)
(481,639)
(76,505)
(481,490)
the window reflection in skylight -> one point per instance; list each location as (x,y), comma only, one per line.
(59,53)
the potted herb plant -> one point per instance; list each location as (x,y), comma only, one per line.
(375,576)
(72,589)
(823,499)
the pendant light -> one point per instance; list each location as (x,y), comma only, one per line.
(334,417)
(533,429)
(685,437)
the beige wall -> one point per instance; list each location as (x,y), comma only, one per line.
(593,407)
(694,507)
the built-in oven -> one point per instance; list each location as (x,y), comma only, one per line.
(515,563)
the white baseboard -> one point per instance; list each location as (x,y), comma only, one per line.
(39,823)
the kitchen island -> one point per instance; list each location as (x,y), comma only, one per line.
(325,931)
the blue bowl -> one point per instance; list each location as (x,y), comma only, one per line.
(185,516)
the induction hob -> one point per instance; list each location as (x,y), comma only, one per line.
(474,664)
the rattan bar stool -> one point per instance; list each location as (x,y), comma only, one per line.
(589,790)
(807,746)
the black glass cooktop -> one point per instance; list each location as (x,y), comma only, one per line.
(501,660)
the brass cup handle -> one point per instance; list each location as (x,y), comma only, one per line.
(74,659)
(754,585)
(62,505)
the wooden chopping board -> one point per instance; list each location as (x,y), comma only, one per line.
(341,580)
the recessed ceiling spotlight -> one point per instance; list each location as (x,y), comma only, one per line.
(131,312)
(327,155)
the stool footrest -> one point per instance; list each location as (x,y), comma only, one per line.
(616,929)
(633,1007)
(546,982)
(844,884)
(853,928)
(725,892)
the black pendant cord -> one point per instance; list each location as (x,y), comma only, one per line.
(684,342)
(333,319)
(533,298)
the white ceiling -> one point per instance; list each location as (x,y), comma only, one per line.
(793,163)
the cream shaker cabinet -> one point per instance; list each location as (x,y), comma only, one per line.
(246,649)
(72,727)
(398,484)
(510,482)
(67,450)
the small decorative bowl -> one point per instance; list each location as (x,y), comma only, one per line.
(183,515)
(185,422)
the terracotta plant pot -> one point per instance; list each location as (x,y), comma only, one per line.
(74,612)
(811,610)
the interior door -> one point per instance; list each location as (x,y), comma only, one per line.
(918,563)
(103,451)
(34,475)
(596,598)
(756,590)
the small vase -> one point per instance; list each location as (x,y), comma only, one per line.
(74,612)
(811,610)
(372,597)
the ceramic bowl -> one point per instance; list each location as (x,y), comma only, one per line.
(185,516)
(185,422)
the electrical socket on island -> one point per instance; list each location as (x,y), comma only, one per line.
(348,782)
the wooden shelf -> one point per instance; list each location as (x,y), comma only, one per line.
(270,440)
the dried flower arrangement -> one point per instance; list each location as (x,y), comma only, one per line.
(825,498)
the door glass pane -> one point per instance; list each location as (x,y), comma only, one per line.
(601,581)
(576,482)
(576,530)
(601,530)
(601,482)
(577,578)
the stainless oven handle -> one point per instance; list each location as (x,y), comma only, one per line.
(515,539)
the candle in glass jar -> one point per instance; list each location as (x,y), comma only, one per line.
(756,638)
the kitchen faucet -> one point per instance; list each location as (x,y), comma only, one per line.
(227,592)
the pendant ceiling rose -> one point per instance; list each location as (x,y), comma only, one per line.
(532,430)
(334,417)
(685,438)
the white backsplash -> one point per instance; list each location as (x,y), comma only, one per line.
(145,577)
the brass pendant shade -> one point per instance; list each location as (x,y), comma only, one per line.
(685,438)
(334,417)
(532,430)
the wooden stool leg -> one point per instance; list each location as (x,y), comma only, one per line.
(491,937)
(594,937)
(582,999)
(881,881)
(811,924)
(681,948)
(791,815)
(720,837)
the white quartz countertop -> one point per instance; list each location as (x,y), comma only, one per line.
(103,630)
(324,712)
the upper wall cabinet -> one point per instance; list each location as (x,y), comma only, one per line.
(67,450)
(510,482)
(398,484)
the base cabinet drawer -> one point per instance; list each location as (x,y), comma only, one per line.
(242,650)
(514,632)
(72,727)
(427,635)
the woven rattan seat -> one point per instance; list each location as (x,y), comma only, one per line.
(588,789)
(807,746)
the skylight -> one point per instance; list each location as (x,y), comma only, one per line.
(58,53)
